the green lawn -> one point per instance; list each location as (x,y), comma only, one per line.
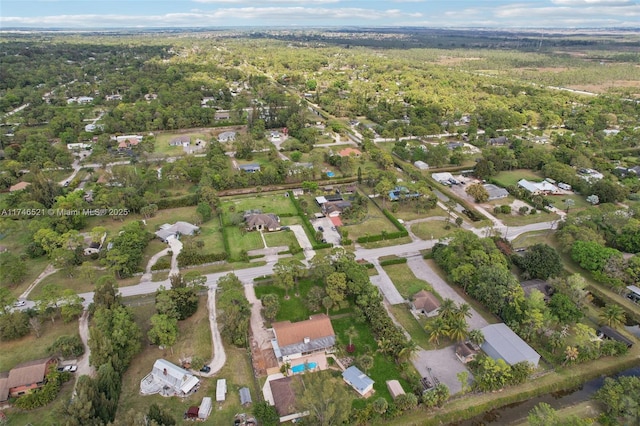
(294,309)
(280,238)
(433,229)
(162,142)
(414,327)
(239,240)
(511,177)
(406,212)
(76,283)
(373,224)
(405,281)
(43,416)
(31,347)
(520,220)
(383,368)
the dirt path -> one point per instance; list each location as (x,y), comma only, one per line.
(219,356)
(49,270)
(154,259)
(83,362)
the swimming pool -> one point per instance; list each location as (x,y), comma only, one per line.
(300,367)
(330,174)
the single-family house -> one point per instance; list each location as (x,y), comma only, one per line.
(537,284)
(249,168)
(19,186)
(590,175)
(400,192)
(335,208)
(425,303)
(421,165)
(500,342)
(634,293)
(498,141)
(538,188)
(283,397)
(182,140)
(222,115)
(229,136)
(635,170)
(115,97)
(495,192)
(347,152)
(207,102)
(294,340)
(261,222)
(359,381)
(166,231)
(465,352)
(24,378)
(168,379)
(607,332)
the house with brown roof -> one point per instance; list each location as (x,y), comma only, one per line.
(466,352)
(25,377)
(19,186)
(294,340)
(350,151)
(425,303)
(262,222)
(283,397)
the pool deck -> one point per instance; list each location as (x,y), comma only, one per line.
(320,359)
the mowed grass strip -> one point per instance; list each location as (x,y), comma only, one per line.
(239,240)
(405,281)
(511,177)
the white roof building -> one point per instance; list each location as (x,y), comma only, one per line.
(221,390)
(538,187)
(174,231)
(500,342)
(168,379)
(421,165)
(442,177)
(205,408)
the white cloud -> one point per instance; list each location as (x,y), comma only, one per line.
(592,2)
(304,2)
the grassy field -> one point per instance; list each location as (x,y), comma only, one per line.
(76,283)
(30,347)
(373,224)
(432,229)
(386,243)
(281,238)
(511,177)
(383,368)
(239,240)
(405,281)
(34,268)
(293,309)
(407,212)
(414,327)
(520,220)
(162,142)
(43,416)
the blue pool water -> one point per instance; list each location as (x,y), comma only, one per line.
(300,367)
(330,174)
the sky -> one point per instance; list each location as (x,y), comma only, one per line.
(97,14)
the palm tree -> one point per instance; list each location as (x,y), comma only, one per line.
(476,337)
(408,351)
(447,309)
(458,329)
(463,311)
(571,354)
(436,328)
(613,315)
(351,332)
(366,362)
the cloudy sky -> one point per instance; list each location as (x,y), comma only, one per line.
(88,14)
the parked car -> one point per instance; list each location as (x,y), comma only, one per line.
(205,369)
(70,368)
(284,228)
(320,228)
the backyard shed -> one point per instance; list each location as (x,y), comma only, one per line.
(245,396)
(221,390)
(359,381)
(500,342)
(395,388)
(192,412)
(205,408)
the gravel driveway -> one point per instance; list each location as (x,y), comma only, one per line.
(444,366)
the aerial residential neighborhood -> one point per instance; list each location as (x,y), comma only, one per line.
(257,228)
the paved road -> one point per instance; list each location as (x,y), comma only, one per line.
(386,286)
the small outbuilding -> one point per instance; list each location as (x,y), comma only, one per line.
(192,412)
(425,303)
(495,192)
(359,381)
(221,390)
(245,396)
(205,408)
(607,332)
(395,388)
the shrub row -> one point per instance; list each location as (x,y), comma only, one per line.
(182,201)
(400,227)
(397,261)
(188,259)
(320,246)
(380,237)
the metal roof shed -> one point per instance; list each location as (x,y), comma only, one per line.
(500,342)
(221,390)
(245,396)
(205,408)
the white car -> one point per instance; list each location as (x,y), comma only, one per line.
(20,303)
(70,368)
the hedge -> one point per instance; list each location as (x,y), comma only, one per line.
(400,227)
(188,259)
(320,246)
(183,201)
(397,261)
(380,237)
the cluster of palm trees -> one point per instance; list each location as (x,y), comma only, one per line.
(451,322)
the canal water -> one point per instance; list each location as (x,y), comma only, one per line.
(517,413)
